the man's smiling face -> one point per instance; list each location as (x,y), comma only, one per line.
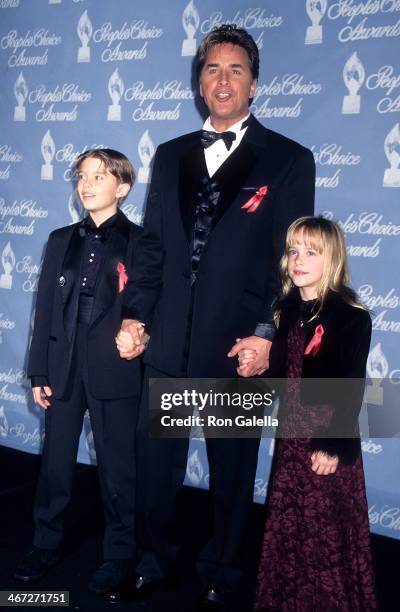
(227,84)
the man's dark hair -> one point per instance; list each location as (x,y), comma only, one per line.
(117,163)
(229,33)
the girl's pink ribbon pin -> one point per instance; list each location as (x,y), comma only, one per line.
(122,276)
(255,201)
(315,341)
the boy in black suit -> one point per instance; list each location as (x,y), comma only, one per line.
(74,366)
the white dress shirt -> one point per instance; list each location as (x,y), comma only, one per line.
(217,153)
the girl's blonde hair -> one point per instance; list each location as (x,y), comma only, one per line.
(327,238)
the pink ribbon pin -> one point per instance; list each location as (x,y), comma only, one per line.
(315,341)
(122,276)
(255,201)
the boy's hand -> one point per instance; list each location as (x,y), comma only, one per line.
(40,395)
(323,464)
(133,348)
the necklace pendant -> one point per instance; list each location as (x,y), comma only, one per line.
(301,323)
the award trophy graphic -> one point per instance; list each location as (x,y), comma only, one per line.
(377,370)
(75,208)
(3,423)
(8,263)
(115,89)
(32,325)
(353,77)
(194,469)
(190,22)
(48,149)
(316,9)
(21,93)
(146,151)
(85,31)
(391,178)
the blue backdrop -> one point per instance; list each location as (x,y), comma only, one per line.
(90,73)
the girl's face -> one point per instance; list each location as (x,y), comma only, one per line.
(305,268)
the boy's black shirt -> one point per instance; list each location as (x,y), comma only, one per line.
(57,306)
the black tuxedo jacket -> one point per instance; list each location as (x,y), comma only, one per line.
(51,352)
(339,364)
(237,277)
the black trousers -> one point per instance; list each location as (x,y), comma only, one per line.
(113,423)
(161,471)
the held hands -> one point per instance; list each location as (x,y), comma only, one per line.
(40,395)
(323,464)
(131,340)
(253,355)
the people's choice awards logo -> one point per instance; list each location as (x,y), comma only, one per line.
(21,93)
(8,263)
(190,23)
(391,178)
(316,9)
(116,90)
(353,77)
(146,150)
(195,469)
(377,370)
(48,149)
(3,423)
(85,31)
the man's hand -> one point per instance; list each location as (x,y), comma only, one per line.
(138,339)
(248,366)
(40,394)
(323,464)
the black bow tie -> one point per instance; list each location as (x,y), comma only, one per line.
(208,138)
(87,230)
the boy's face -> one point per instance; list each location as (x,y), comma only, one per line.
(99,190)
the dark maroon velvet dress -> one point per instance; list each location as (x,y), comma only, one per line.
(316,554)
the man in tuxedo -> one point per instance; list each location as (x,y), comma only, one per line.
(74,366)
(220,202)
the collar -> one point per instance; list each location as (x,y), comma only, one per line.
(236,127)
(87,226)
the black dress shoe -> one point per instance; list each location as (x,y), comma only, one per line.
(140,589)
(213,600)
(110,574)
(36,563)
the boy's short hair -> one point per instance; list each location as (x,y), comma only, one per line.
(117,163)
(229,33)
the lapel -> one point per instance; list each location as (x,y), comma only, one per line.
(107,284)
(231,176)
(192,167)
(327,360)
(70,271)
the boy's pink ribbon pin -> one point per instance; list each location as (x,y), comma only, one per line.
(122,276)
(255,201)
(315,341)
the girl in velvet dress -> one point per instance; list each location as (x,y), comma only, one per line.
(316,554)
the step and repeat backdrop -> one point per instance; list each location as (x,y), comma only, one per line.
(76,74)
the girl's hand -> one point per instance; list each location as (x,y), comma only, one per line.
(323,464)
